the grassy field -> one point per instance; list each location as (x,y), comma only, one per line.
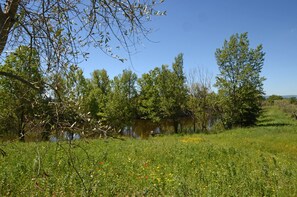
(258,161)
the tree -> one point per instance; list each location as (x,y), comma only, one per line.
(62,31)
(239,82)
(78,86)
(273,98)
(201,98)
(19,102)
(149,97)
(78,104)
(120,108)
(163,93)
(293,100)
(173,86)
(99,89)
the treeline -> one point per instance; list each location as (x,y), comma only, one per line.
(287,105)
(68,101)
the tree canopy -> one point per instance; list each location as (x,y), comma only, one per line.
(163,96)
(20,103)
(59,33)
(239,82)
(163,92)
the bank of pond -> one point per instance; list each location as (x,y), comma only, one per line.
(140,129)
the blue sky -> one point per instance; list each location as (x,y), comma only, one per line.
(198,27)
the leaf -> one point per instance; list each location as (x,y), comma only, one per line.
(58,32)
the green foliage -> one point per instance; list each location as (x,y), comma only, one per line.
(120,110)
(259,161)
(203,107)
(177,90)
(293,100)
(163,92)
(20,103)
(202,102)
(239,82)
(273,98)
(287,106)
(97,96)
(149,98)
(71,99)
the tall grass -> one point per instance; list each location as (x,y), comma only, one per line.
(259,161)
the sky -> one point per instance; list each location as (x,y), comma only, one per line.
(197,28)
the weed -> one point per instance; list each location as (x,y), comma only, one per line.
(259,161)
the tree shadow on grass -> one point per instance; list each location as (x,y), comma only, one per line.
(266,121)
(273,124)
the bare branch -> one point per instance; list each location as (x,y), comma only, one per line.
(61,30)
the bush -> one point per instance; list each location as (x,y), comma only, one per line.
(287,106)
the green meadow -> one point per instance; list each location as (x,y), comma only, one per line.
(257,161)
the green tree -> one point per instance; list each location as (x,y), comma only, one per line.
(97,97)
(149,98)
(82,89)
(19,101)
(239,82)
(120,108)
(77,88)
(173,91)
(78,104)
(293,100)
(164,93)
(61,31)
(273,98)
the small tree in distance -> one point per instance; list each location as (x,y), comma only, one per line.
(201,98)
(239,82)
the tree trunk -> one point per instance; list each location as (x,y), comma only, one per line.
(7,20)
(175,124)
(194,125)
(21,128)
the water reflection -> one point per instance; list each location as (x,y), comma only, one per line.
(147,128)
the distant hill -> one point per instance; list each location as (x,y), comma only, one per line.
(289,96)
(284,96)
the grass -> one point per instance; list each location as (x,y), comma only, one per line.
(258,161)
